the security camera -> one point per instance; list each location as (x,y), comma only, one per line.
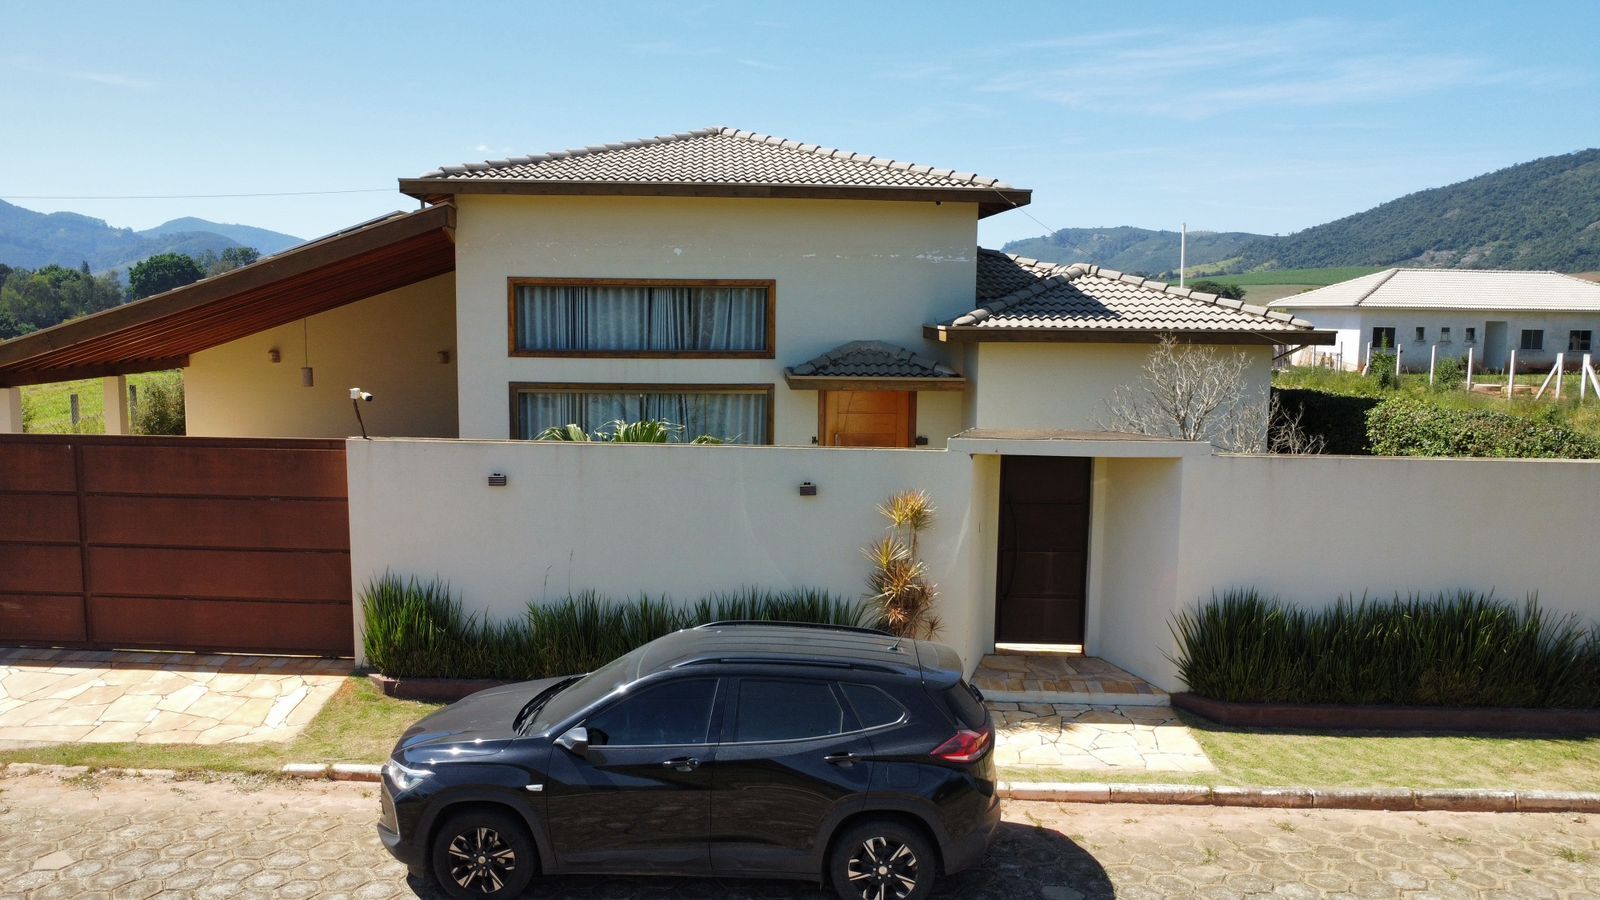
(359,394)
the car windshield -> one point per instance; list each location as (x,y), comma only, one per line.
(586,690)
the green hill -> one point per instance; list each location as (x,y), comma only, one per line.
(1543,214)
(265,240)
(30,240)
(1129,249)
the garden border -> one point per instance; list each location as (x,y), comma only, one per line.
(431,690)
(1337,717)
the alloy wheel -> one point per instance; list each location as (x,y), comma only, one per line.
(883,869)
(481,860)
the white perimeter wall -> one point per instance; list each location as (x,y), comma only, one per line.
(387,345)
(1166,533)
(845,271)
(681,520)
(1514,526)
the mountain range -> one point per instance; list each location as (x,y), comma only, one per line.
(30,239)
(1543,214)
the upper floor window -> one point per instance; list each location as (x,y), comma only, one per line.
(642,318)
(1579,341)
(1532,339)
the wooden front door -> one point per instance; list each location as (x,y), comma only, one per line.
(1044,550)
(868,418)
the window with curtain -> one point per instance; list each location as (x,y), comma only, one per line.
(734,414)
(648,319)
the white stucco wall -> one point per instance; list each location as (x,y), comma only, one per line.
(1354,327)
(1066,386)
(845,270)
(387,344)
(1513,526)
(680,520)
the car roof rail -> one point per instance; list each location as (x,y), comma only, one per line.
(783,623)
(787,661)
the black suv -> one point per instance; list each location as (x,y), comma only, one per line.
(839,755)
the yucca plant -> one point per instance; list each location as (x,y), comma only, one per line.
(897,585)
(1448,649)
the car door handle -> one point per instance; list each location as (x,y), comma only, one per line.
(682,764)
(841,759)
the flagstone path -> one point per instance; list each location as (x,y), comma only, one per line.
(1109,739)
(54,696)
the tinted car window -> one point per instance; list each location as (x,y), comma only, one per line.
(965,705)
(678,712)
(786,711)
(588,689)
(873,707)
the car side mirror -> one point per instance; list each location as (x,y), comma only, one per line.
(575,741)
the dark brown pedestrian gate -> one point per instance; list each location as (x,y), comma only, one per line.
(1043,550)
(216,544)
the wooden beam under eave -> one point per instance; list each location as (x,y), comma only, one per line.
(53,376)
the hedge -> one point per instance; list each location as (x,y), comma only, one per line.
(1340,420)
(1452,649)
(419,629)
(1404,426)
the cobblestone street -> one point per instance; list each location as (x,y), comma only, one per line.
(93,837)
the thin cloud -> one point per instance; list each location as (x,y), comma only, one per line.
(109,79)
(1170,73)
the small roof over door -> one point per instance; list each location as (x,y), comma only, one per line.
(873,366)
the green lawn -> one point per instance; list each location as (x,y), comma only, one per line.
(359,724)
(1311,277)
(47,408)
(1264,758)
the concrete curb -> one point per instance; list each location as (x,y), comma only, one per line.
(334,771)
(1393,799)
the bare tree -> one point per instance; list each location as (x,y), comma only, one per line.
(1195,393)
(1192,393)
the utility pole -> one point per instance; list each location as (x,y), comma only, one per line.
(1183,251)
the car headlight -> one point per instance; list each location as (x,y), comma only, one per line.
(402,776)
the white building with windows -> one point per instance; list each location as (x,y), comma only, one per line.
(1448,312)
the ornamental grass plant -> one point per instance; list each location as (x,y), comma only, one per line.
(1447,649)
(419,629)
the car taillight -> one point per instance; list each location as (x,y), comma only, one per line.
(967,746)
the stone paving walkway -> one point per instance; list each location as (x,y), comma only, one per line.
(1125,739)
(51,696)
(101,836)
(1062,678)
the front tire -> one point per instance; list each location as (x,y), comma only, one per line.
(882,860)
(483,854)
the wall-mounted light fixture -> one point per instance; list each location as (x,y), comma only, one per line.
(306,378)
(497,479)
(444,357)
(273,356)
(807,489)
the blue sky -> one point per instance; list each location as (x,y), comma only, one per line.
(1264,117)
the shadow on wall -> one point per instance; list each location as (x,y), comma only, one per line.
(1024,862)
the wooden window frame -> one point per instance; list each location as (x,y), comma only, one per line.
(520,281)
(629,387)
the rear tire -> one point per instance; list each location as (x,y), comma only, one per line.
(484,854)
(882,859)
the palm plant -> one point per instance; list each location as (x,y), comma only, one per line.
(617,431)
(898,587)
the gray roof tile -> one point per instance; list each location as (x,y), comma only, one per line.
(873,359)
(716,156)
(1016,292)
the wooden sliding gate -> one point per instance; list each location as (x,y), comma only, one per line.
(216,544)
